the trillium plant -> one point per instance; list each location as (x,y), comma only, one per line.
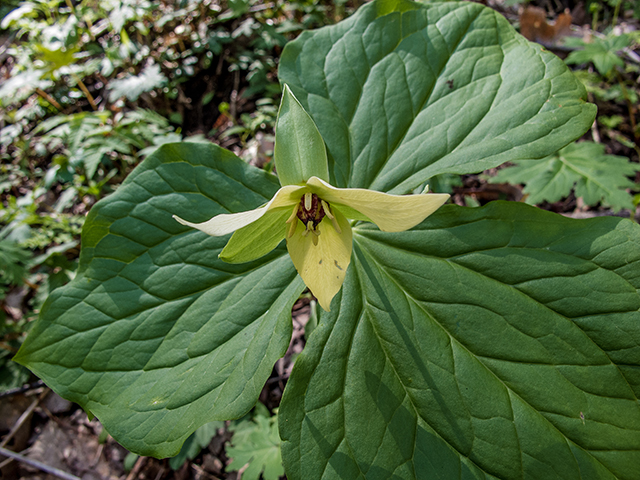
(307,206)
(499,342)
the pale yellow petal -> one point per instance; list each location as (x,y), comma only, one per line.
(322,266)
(230,222)
(392,213)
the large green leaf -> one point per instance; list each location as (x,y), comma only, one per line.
(495,342)
(402,92)
(156,336)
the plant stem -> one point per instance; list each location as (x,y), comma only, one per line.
(625,94)
(89,27)
(616,11)
(86,92)
(70,5)
(48,98)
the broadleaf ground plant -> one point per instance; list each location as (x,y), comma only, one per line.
(494,342)
(595,176)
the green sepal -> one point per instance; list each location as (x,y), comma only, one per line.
(299,150)
(258,238)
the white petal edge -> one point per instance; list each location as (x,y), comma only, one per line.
(391,213)
(226,223)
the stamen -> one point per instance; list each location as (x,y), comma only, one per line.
(327,210)
(334,222)
(314,237)
(309,228)
(294,214)
(292,229)
(308,198)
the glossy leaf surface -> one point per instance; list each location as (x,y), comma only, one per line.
(156,336)
(402,92)
(496,342)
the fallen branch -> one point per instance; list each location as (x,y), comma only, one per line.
(39,465)
(22,389)
(25,415)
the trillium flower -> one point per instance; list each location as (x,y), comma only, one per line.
(313,219)
(309,212)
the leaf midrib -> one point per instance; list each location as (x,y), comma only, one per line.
(383,271)
(583,174)
(427,97)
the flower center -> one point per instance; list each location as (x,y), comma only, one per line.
(311,210)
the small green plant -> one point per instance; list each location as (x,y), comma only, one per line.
(614,80)
(13,260)
(490,342)
(603,11)
(193,445)
(255,446)
(602,52)
(583,167)
(89,139)
(19,268)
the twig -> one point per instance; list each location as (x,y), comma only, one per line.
(160,473)
(48,98)
(7,461)
(259,8)
(96,459)
(53,418)
(631,54)
(136,468)
(277,379)
(234,95)
(201,472)
(87,19)
(86,92)
(23,418)
(594,132)
(220,62)
(35,463)
(22,389)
